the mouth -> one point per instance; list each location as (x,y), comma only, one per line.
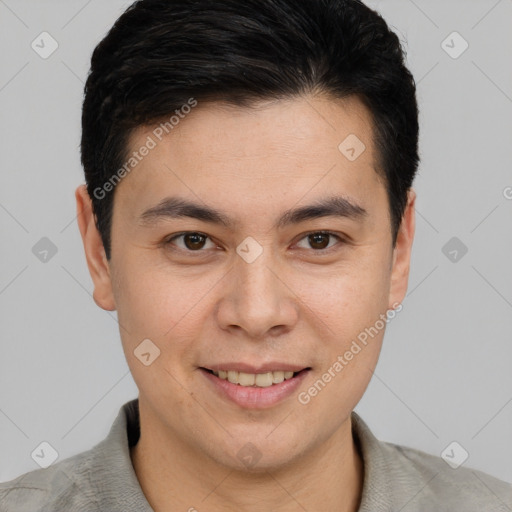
(257,380)
(254,391)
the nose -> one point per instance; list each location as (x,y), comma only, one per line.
(256,299)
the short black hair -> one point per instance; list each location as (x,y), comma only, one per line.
(161,53)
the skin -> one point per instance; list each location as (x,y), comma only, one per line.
(291,304)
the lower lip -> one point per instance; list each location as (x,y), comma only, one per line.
(255,397)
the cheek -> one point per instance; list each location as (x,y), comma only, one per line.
(164,306)
(349,333)
(144,305)
(347,300)
(165,310)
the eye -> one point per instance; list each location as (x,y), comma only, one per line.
(319,240)
(191,241)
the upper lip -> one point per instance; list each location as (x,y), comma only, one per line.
(251,368)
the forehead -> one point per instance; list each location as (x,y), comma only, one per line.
(275,152)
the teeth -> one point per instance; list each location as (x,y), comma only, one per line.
(278,377)
(262,380)
(247,379)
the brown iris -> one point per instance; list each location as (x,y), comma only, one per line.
(319,240)
(194,240)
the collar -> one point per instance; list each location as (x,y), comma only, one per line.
(114,452)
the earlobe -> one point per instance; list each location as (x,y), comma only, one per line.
(94,251)
(402,252)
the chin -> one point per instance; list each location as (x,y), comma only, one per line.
(257,454)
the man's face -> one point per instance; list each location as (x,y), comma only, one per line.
(264,288)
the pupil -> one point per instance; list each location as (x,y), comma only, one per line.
(194,241)
(319,240)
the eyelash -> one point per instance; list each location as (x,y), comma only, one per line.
(168,241)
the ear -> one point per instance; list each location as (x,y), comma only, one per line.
(94,251)
(402,252)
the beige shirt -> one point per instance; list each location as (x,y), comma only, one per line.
(397,479)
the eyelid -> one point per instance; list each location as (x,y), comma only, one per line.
(341,239)
(169,239)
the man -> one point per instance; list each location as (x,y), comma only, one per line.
(249,214)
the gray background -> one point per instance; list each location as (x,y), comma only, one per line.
(444,373)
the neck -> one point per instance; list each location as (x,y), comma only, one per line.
(174,476)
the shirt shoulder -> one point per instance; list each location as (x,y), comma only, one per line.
(429,481)
(64,485)
(99,479)
(410,480)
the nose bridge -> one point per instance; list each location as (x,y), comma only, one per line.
(256,299)
(256,281)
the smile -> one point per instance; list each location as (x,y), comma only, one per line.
(261,380)
(254,390)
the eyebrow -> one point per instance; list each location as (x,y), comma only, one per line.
(175,207)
